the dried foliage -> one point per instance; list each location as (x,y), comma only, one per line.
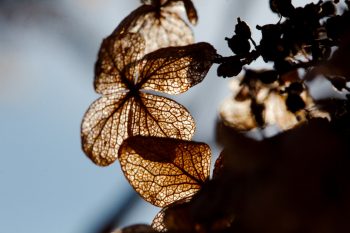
(160,24)
(301,42)
(296,181)
(123,110)
(164,170)
(256,104)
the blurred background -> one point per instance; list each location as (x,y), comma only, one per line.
(47,55)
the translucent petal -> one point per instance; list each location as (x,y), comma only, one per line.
(159,116)
(174,70)
(115,54)
(113,118)
(159,27)
(167,30)
(164,170)
(104,128)
(125,24)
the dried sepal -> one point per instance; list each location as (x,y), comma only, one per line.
(115,54)
(183,66)
(112,118)
(164,170)
(103,128)
(124,110)
(159,22)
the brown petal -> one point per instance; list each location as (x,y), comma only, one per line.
(113,118)
(174,70)
(164,170)
(115,54)
(104,128)
(159,27)
(159,116)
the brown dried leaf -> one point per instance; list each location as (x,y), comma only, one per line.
(124,110)
(112,118)
(164,170)
(184,67)
(115,54)
(159,24)
(103,127)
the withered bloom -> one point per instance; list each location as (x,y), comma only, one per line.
(122,71)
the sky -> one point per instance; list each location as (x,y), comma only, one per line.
(47,55)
